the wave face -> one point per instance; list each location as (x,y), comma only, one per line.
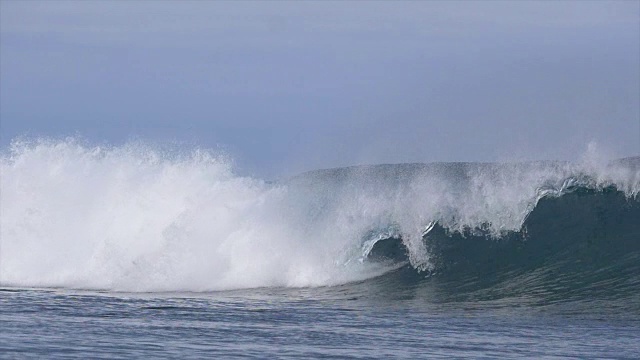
(581,246)
(138,218)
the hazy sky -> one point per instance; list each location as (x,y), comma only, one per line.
(288,86)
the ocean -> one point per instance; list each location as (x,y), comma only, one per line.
(139,251)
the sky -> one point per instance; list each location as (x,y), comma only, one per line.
(285,87)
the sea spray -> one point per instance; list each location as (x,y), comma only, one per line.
(133,218)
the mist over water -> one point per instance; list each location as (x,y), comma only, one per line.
(142,218)
(135,218)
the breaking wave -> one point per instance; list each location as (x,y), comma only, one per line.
(139,218)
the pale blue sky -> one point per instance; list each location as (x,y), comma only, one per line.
(287,86)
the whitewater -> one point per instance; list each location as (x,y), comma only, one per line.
(139,218)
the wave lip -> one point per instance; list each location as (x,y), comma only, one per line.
(583,245)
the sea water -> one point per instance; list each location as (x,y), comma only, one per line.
(135,251)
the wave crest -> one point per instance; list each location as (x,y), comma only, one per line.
(139,218)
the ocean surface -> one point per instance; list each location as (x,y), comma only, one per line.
(139,251)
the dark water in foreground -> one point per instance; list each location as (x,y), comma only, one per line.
(310,323)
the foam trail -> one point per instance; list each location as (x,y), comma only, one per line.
(135,218)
